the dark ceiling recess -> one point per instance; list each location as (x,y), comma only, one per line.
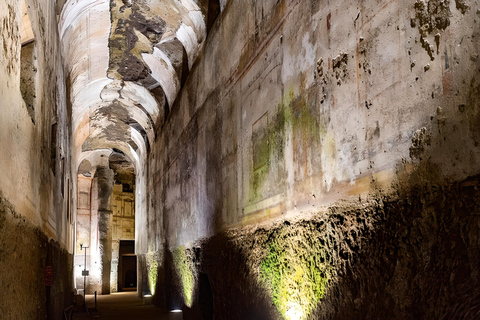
(213,11)
(123,169)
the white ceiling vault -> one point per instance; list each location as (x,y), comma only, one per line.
(126,61)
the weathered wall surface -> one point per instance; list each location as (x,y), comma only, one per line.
(296,109)
(34,149)
(298,105)
(34,157)
(25,254)
(385,258)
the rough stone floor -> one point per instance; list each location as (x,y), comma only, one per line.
(123,306)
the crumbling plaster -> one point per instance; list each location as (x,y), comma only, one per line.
(295,107)
(32,181)
(35,208)
(341,89)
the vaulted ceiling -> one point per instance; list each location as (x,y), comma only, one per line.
(126,62)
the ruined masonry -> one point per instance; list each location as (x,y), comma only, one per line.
(237,160)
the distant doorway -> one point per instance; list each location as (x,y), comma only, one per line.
(127,266)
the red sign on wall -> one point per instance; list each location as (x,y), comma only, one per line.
(48,273)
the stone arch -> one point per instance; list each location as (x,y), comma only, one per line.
(85,168)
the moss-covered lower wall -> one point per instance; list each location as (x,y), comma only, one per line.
(412,255)
(25,254)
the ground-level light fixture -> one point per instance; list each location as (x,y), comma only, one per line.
(85,275)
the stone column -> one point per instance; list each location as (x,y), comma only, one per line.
(105,185)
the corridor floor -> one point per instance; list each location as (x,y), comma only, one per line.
(124,306)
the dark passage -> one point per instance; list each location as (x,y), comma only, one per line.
(127,267)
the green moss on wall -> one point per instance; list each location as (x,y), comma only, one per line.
(296,270)
(185,271)
(298,115)
(268,146)
(257,180)
(152,268)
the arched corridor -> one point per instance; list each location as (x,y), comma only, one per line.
(240,160)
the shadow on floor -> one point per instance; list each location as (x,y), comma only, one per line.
(123,306)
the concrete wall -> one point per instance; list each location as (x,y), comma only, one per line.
(295,108)
(34,156)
